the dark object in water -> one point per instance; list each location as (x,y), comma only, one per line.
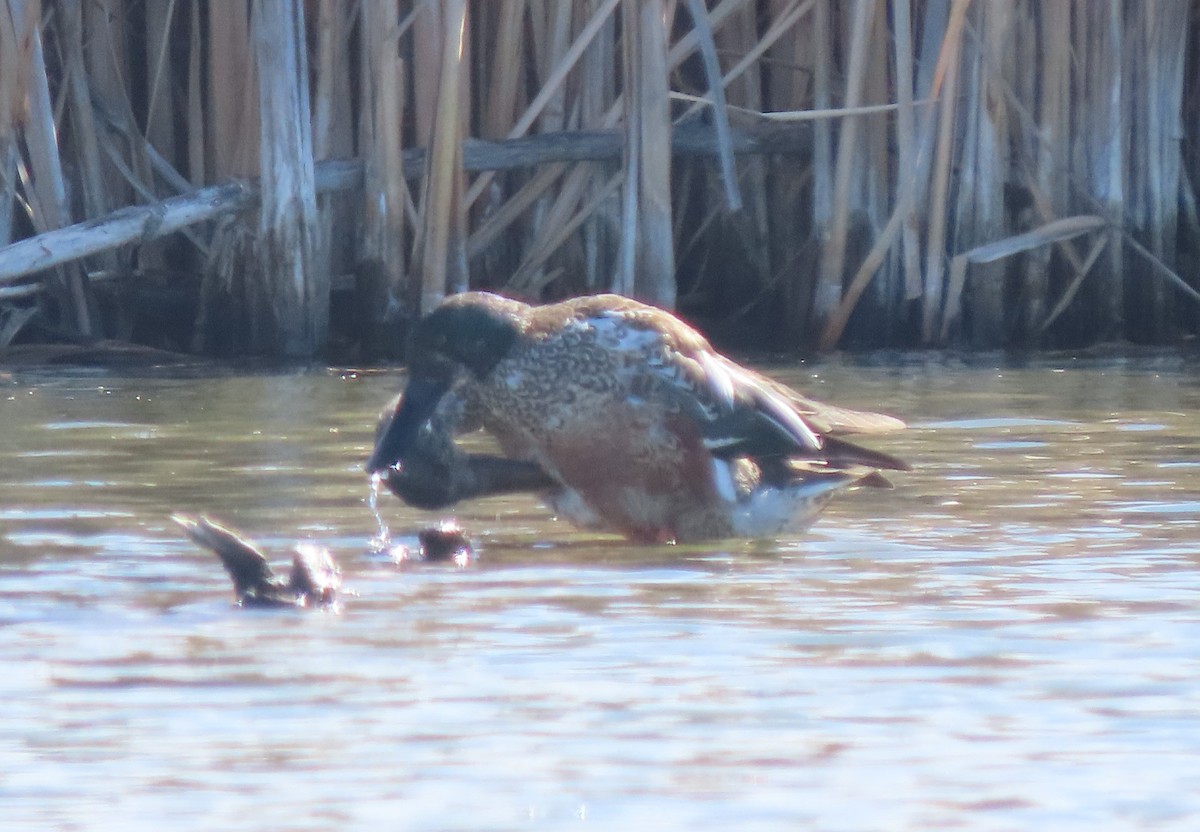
(446,541)
(436,473)
(314,581)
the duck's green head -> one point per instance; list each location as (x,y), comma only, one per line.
(472,332)
(469,334)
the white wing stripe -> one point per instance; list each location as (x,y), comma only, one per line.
(720,379)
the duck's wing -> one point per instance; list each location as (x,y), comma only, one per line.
(763,418)
(246,565)
(737,412)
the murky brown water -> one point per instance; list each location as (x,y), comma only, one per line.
(1010,639)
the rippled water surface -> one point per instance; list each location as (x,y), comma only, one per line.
(1009,639)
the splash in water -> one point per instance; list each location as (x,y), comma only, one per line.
(382,541)
(443,542)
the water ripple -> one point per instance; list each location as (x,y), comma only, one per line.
(1005,640)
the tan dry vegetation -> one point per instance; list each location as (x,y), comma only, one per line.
(813,172)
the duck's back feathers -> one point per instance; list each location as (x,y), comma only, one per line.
(738,411)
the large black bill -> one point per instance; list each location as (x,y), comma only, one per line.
(399,436)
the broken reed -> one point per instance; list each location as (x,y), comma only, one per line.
(982,173)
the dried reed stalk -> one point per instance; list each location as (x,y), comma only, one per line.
(556,38)
(1099,148)
(551,85)
(1046,110)
(623,282)
(914,143)
(530,194)
(46,187)
(1052,61)
(597,90)
(1068,295)
(648,257)
(822,168)
(985,167)
(947,67)
(906,147)
(85,135)
(295,284)
(333,110)
(428,43)
(10,113)
(233,114)
(440,254)
(110,79)
(381,256)
(1159,30)
(503,81)
(551,214)
(829,283)
(875,184)
(160,121)
(196,142)
(552,55)
(14,62)
(748,231)
(789,87)
(529,279)
(547,224)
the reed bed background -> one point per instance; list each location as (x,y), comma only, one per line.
(794,173)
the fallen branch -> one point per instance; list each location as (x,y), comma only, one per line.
(143,223)
(140,223)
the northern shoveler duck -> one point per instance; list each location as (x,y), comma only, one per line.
(637,424)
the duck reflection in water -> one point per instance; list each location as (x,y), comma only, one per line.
(621,416)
